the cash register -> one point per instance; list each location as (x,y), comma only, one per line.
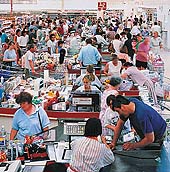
(86,101)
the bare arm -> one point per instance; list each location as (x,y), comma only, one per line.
(32,66)
(124,76)
(13,134)
(45,135)
(106,69)
(112,127)
(148,139)
(117,131)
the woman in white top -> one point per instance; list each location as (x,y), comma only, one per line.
(87,84)
(23,39)
(91,154)
(113,67)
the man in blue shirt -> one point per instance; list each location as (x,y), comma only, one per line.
(147,122)
(89,55)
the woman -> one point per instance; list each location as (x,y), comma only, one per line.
(87,79)
(95,80)
(10,56)
(156,43)
(117,44)
(113,67)
(29,119)
(112,88)
(89,154)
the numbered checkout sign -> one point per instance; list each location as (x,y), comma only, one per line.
(102,6)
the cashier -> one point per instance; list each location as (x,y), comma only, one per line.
(147,122)
(28,119)
(89,71)
(87,79)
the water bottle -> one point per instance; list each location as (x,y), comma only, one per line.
(3,131)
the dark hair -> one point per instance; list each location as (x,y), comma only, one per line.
(117,36)
(114,81)
(89,68)
(24,97)
(17,31)
(114,56)
(118,101)
(31,46)
(62,55)
(123,33)
(89,41)
(93,127)
(31,29)
(127,64)
(109,98)
(51,35)
(60,42)
(155,23)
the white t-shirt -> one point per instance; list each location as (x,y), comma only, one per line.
(93,88)
(24,40)
(27,57)
(136,75)
(52,45)
(117,44)
(114,70)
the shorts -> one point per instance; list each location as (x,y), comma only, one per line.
(141,64)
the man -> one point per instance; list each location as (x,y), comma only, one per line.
(52,44)
(142,54)
(147,122)
(89,55)
(27,61)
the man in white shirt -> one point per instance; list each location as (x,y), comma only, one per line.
(28,59)
(52,44)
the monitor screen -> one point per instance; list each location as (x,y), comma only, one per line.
(90,98)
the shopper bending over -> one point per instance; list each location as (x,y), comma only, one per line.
(147,122)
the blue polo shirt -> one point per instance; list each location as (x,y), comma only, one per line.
(89,55)
(29,124)
(146,120)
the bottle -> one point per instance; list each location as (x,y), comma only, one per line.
(3,131)
(2,79)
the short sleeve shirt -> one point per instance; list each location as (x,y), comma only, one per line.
(29,124)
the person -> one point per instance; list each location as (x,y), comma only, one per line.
(87,79)
(89,55)
(156,43)
(111,89)
(146,121)
(52,44)
(142,54)
(113,67)
(156,28)
(28,61)
(88,153)
(138,77)
(10,56)
(128,44)
(117,44)
(95,79)
(111,117)
(28,120)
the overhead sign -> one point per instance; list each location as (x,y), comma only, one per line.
(102,6)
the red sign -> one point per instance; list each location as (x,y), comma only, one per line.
(102,6)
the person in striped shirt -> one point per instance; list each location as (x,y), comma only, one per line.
(91,153)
